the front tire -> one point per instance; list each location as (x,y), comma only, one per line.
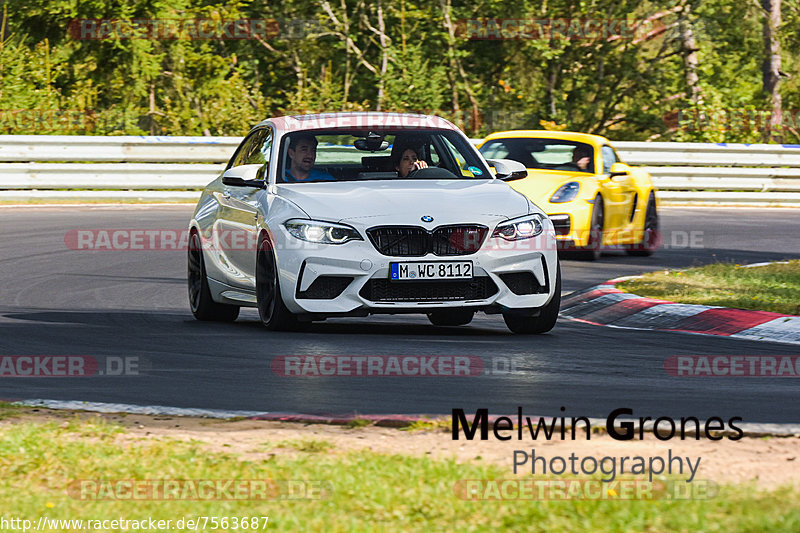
(548,315)
(591,251)
(200,301)
(451,317)
(271,309)
(651,239)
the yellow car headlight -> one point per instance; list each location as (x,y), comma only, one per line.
(566,193)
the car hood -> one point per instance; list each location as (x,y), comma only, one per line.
(406,201)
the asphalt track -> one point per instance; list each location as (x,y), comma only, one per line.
(57,301)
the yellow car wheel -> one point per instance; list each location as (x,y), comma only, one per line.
(591,251)
(651,236)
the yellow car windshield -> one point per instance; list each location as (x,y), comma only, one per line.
(548,154)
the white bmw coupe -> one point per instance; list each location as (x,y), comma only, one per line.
(351,214)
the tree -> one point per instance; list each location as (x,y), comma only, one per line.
(771,67)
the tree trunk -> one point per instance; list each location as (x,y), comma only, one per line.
(347,75)
(297,66)
(384,58)
(771,68)
(456,65)
(551,91)
(690,61)
(152,113)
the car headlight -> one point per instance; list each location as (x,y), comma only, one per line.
(321,232)
(566,193)
(520,228)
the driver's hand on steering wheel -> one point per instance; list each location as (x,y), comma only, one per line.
(419,165)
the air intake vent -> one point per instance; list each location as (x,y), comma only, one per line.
(325,288)
(415,241)
(383,290)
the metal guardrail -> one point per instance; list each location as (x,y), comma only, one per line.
(710,154)
(705,173)
(708,173)
(118,176)
(128,149)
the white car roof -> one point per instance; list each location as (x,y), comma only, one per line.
(357,121)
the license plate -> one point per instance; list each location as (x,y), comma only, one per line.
(430,270)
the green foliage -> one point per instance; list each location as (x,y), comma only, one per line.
(333,56)
(415,82)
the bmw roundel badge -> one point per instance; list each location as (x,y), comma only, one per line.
(427,218)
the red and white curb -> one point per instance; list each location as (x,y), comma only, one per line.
(606,305)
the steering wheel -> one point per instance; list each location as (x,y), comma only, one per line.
(432,173)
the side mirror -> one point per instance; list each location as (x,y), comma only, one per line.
(619,169)
(245,176)
(508,169)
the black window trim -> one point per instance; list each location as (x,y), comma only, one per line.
(255,131)
(616,157)
(284,148)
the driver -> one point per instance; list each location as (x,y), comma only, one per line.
(582,157)
(407,161)
(302,155)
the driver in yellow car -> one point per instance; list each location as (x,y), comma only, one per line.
(581,156)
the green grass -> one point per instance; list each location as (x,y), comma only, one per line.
(9,409)
(774,287)
(306,445)
(369,491)
(359,423)
(436,424)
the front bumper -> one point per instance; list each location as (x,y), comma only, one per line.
(354,277)
(573,221)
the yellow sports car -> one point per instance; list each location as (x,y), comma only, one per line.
(592,197)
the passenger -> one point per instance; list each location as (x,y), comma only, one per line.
(408,161)
(302,156)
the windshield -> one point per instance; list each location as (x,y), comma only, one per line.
(549,154)
(320,156)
